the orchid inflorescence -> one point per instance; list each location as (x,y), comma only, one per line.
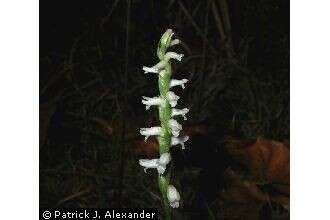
(169,130)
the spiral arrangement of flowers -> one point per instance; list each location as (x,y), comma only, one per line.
(168,133)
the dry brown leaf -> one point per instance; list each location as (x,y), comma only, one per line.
(242,192)
(148,148)
(268,161)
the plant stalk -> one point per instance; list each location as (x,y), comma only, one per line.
(165,139)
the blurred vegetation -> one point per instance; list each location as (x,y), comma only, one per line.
(91,83)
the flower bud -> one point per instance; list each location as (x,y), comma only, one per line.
(166,38)
(173,196)
(175,127)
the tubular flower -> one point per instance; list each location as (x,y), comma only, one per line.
(177,82)
(155,69)
(173,196)
(168,133)
(172,98)
(174,42)
(175,127)
(151,101)
(150,69)
(181,112)
(179,140)
(159,164)
(161,65)
(173,55)
(153,131)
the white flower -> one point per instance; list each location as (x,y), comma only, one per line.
(155,69)
(173,55)
(172,98)
(174,42)
(182,112)
(161,65)
(150,69)
(153,131)
(151,101)
(177,82)
(173,196)
(175,127)
(159,164)
(179,140)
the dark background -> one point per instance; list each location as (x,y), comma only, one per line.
(91,83)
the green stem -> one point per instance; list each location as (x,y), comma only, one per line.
(165,139)
(163,182)
(165,112)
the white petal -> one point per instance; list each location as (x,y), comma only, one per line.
(179,140)
(150,69)
(154,69)
(177,82)
(164,159)
(182,112)
(159,164)
(151,101)
(174,42)
(173,55)
(148,163)
(172,98)
(147,132)
(175,127)
(173,196)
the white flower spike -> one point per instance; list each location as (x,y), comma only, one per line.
(151,101)
(153,131)
(179,140)
(177,82)
(166,102)
(172,98)
(173,196)
(159,164)
(181,112)
(175,127)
